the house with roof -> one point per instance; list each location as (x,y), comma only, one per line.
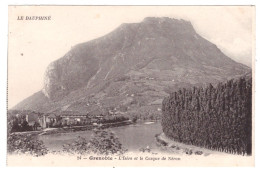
(64,118)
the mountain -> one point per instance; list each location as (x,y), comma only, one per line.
(131,69)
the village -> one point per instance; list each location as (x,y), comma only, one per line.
(34,121)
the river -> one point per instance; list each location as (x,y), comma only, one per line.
(133,137)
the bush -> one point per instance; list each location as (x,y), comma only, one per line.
(105,142)
(18,124)
(79,146)
(25,144)
(102,142)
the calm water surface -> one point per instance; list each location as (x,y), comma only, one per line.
(133,137)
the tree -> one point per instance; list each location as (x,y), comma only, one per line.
(103,142)
(214,117)
(25,144)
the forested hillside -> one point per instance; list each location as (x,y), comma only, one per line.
(218,118)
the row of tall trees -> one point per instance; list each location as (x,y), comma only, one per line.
(218,118)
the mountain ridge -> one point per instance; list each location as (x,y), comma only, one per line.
(146,59)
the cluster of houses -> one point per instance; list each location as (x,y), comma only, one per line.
(66,118)
(52,120)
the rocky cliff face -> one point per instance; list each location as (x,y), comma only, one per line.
(148,59)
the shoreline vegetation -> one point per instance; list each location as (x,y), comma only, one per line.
(175,147)
(28,143)
(49,131)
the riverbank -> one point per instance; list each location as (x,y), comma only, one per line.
(49,131)
(132,137)
(180,148)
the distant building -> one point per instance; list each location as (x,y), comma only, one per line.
(63,118)
(47,119)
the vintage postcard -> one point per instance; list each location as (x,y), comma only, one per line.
(131,86)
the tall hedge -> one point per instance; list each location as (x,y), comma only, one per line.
(218,118)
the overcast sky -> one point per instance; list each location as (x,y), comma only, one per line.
(33,45)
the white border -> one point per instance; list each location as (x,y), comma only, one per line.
(3,65)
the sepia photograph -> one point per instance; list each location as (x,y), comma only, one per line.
(130,85)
